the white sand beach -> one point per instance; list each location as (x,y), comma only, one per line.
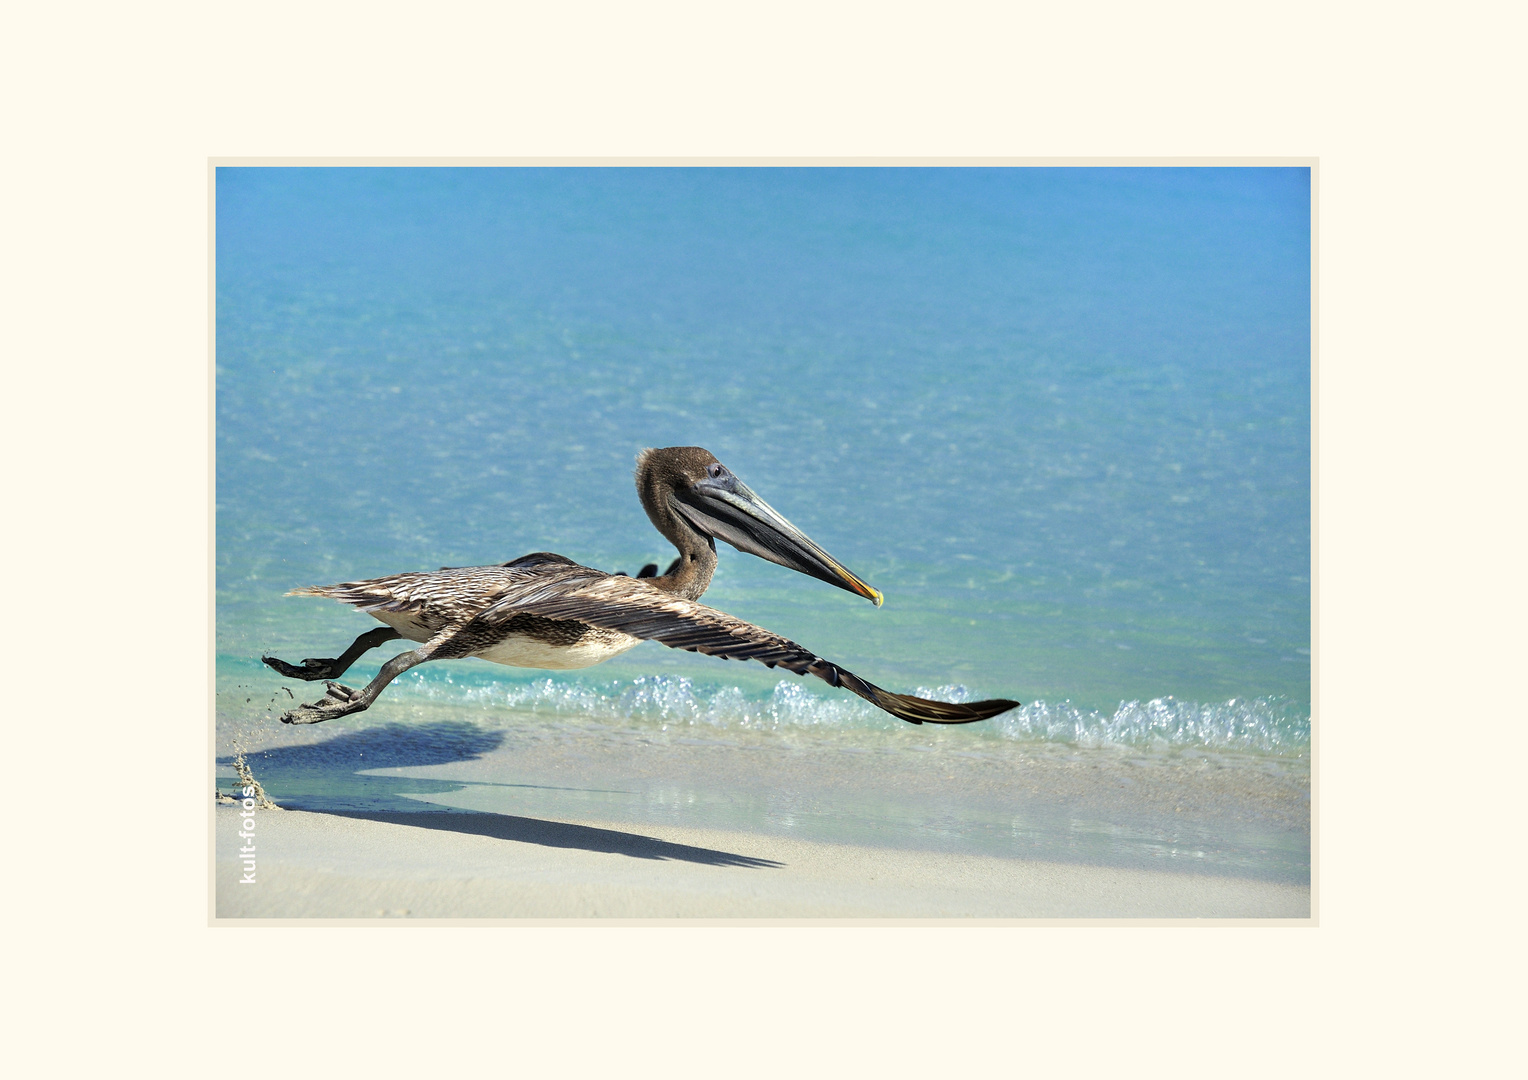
(445,865)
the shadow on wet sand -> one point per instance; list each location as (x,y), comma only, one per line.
(557,834)
(328,778)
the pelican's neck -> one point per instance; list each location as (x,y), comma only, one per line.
(691,572)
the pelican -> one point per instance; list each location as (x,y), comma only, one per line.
(546,611)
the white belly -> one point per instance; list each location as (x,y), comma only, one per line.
(521,651)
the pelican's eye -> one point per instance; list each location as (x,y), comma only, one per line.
(715,470)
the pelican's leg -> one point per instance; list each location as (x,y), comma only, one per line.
(313,670)
(342,700)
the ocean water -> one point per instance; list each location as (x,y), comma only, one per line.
(1059,417)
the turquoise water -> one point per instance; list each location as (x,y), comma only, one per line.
(1059,417)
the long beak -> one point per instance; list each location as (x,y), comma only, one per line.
(725,509)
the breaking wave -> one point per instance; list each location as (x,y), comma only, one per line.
(1272,725)
(1268,724)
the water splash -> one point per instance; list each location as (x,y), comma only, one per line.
(247,780)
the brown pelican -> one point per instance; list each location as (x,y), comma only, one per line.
(545,611)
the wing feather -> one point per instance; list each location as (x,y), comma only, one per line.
(463,590)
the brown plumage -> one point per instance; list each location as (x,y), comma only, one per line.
(543,610)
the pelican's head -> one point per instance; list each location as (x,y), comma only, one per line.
(692,485)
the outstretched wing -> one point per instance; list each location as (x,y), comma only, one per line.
(632,606)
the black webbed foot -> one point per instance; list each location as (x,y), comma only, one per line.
(311,670)
(650,570)
(337,701)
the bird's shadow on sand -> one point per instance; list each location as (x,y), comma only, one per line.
(558,834)
(327,778)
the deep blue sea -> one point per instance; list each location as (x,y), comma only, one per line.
(1061,418)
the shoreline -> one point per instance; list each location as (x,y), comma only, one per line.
(426,812)
(901,789)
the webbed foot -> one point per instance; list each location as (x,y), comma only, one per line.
(311,670)
(337,701)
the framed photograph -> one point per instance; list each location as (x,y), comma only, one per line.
(926,541)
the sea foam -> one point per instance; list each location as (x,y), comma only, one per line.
(1265,724)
